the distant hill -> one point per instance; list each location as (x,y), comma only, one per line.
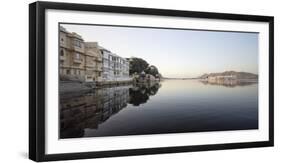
(239,75)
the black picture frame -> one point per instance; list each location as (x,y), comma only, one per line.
(37,79)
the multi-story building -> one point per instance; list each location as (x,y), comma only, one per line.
(115,68)
(93,65)
(125,68)
(72,55)
(115,62)
(87,61)
(106,68)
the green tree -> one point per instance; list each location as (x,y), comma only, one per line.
(152,70)
(137,65)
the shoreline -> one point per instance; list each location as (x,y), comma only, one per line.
(78,87)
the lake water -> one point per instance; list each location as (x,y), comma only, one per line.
(171,106)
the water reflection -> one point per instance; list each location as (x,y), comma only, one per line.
(172,106)
(140,93)
(89,110)
(230,83)
(79,112)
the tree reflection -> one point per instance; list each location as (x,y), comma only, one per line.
(139,93)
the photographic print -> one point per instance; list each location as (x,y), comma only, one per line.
(129,80)
(108,81)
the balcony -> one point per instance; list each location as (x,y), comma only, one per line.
(62,58)
(76,60)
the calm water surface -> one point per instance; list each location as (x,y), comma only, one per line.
(171,106)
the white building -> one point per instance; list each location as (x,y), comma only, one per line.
(115,68)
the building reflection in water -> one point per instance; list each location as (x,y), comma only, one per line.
(81,111)
(230,83)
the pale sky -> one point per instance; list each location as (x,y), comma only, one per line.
(178,53)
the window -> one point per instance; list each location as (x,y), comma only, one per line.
(67,72)
(61,53)
(77,56)
(77,43)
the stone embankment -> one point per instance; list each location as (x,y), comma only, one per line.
(78,87)
(70,87)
